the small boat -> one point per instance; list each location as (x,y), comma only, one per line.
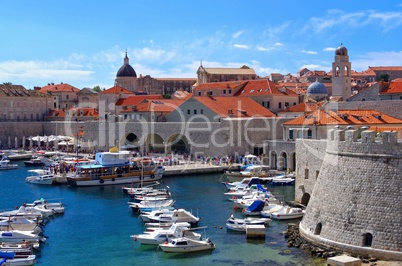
(251,170)
(5,164)
(244,191)
(19,223)
(144,206)
(43,205)
(159,236)
(287,213)
(158,226)
(238,224)
(185,245)
(17,236)
(282,180)
(12,259)
(34,162)
(178,215)
(255,208)
(40,177)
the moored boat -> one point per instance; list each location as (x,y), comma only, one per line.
(5,164)
(287,213)
(13,259)
(114,168)
(40,177)
(250,171)
(186,245)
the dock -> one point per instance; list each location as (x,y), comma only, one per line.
(194,168)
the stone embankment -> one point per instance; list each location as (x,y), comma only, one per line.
(295,240)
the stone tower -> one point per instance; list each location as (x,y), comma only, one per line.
(356,202)
(341,74)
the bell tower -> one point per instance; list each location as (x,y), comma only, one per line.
(341,77)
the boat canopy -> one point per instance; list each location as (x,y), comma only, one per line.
(256,206)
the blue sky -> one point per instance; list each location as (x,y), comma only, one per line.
(83,42)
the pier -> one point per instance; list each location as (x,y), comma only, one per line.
(194,168)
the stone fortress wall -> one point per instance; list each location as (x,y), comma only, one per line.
(356,201)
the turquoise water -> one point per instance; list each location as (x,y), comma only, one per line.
(97,224)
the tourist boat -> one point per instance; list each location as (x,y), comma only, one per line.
(238,224)
(114,168)
(40,177)
(5,164)
(159,236)
(287,213)
(251,170)
(13,259)
(185,245)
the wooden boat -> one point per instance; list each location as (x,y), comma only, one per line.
(186,245)
(114,168)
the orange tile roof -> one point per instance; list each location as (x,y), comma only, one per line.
(220,85)
(136,99)
(305,107)
(394,68)
(115,90)
(62,87)
(86,111)
(163,105)
(395,87)
(239,106)
(57,112)
(382,129)
(344,117)
(263,87)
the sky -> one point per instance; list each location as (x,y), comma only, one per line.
(83,43)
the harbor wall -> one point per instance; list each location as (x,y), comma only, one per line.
(356,199)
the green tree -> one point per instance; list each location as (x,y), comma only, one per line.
(384,77)
(97,89)
(7,83)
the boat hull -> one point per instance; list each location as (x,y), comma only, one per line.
(107,181)
(176,249)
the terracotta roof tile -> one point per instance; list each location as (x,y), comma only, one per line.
(395,87)
(238,107)
(162,105)
(263,87)
(62,87)
(136,99)
(220,85)
(115,90)
(305,107)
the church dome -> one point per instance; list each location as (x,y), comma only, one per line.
(126,70)
(317,88)
(341,50)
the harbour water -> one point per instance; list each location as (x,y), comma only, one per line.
(96,226)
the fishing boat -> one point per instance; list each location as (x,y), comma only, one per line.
(186,245)
(114,168)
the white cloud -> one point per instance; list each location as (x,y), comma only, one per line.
(237,34)
(241,46)
(308,52)
(278,44)
(329,49)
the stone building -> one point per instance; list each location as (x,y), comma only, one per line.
(65,94)
(20,104)
(88,98)
(355,201)
(208,75)
(341,74)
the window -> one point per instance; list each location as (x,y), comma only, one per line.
(280,105)
(306,173)
(66,97)
(199,93)
(318,228)
(291,134)
(224,91)
(286,104)
(309,134)
(202,111)
(316,174)
(367,240)
(188,111)
(195,111)
(294,103)
(230,92)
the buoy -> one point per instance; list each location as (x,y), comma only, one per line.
(235,207)
(166,242)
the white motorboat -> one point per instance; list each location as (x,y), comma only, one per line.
(151,205)
(44,205)
(282,180)
(158,226)
(186,245)
(5,164)
(240,191)
(23,212)
(13,259)
(237,224)
(140,189)
(179,215)
(159,236)
(251,170)
(287,213)
(17,236)
(35,161)
(19,223)
(271,208)
(40,177)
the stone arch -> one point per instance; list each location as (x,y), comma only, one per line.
(273,159)
(305,199)
(131,141)
(178,143)
(154,143)
(318,228)
(367,239)
(282,161)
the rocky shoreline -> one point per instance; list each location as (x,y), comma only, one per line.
(295,240)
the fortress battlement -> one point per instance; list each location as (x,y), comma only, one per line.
(348,143)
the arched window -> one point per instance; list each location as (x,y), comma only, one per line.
(367,240)
(318,228)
